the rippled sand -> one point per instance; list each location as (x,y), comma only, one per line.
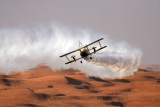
(41,87)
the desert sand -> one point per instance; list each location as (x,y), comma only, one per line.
(42,87)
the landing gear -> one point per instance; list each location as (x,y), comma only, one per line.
(73,57)
(94,48)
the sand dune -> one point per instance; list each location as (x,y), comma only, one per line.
(150,67)
(42,87)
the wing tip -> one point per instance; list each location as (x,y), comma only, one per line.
(68,62)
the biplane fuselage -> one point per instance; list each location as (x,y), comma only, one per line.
(84,52)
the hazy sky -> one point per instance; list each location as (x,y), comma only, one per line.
(135,21)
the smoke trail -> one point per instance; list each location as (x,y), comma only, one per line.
(22,49)
(125,63)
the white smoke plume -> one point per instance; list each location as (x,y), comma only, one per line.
(124,62)
(22,49)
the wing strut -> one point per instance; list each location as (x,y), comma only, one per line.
(100,44)
(67,58)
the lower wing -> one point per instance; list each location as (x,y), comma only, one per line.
(98,50)
(73,60)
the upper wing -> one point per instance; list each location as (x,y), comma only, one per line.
(82,47)
(94,42)
(70,53)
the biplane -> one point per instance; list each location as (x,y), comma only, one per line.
(84,52)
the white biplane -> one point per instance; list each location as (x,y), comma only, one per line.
(84,52)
